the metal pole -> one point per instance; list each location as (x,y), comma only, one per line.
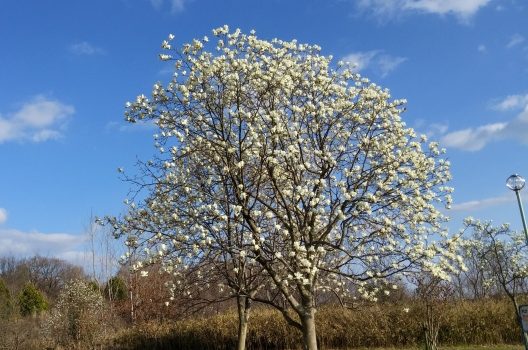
(521,209)
(522,215)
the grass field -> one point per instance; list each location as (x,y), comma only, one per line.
(462,347)
(482,347)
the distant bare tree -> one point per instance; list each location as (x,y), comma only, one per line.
(432,293)
(504,257)
(14,272)
(51,274)
(48,274)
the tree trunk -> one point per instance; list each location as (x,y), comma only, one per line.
(244,306)
(308,329)
(431,327)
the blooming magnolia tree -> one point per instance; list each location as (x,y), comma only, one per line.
(272,159)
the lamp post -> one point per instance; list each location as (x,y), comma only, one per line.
(516,184)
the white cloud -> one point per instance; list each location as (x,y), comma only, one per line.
(379,61)
(79,249)
(3,215)
(473,139)
(511,102)
(85,48)
(175,5)
(515,40)
(69,247)
(20,244)
(38,120)
(463,9)
(360,60)
(476,138)
(482,203)
(77,257)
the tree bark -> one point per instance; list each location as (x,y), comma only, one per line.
(244,306)
(308,329)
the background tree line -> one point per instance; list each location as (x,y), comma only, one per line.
(36,293)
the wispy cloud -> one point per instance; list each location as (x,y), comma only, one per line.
(85,48)
(482,203)
(482,48)
(360,60)
(389,63)
(476,138)
(435,130)
(515,40)
(387,9)
(38,120)
(376,59)
(3,215)
(175,5)
(511,102)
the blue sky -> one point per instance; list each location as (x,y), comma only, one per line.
(68,67)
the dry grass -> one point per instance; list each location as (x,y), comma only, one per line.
(378,326)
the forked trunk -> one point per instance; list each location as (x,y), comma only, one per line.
(308,329)
(244,306)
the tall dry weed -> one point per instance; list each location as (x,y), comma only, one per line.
(486,321)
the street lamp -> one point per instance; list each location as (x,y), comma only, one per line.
(516,184)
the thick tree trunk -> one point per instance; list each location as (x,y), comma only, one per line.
(244,306)
(308,329)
